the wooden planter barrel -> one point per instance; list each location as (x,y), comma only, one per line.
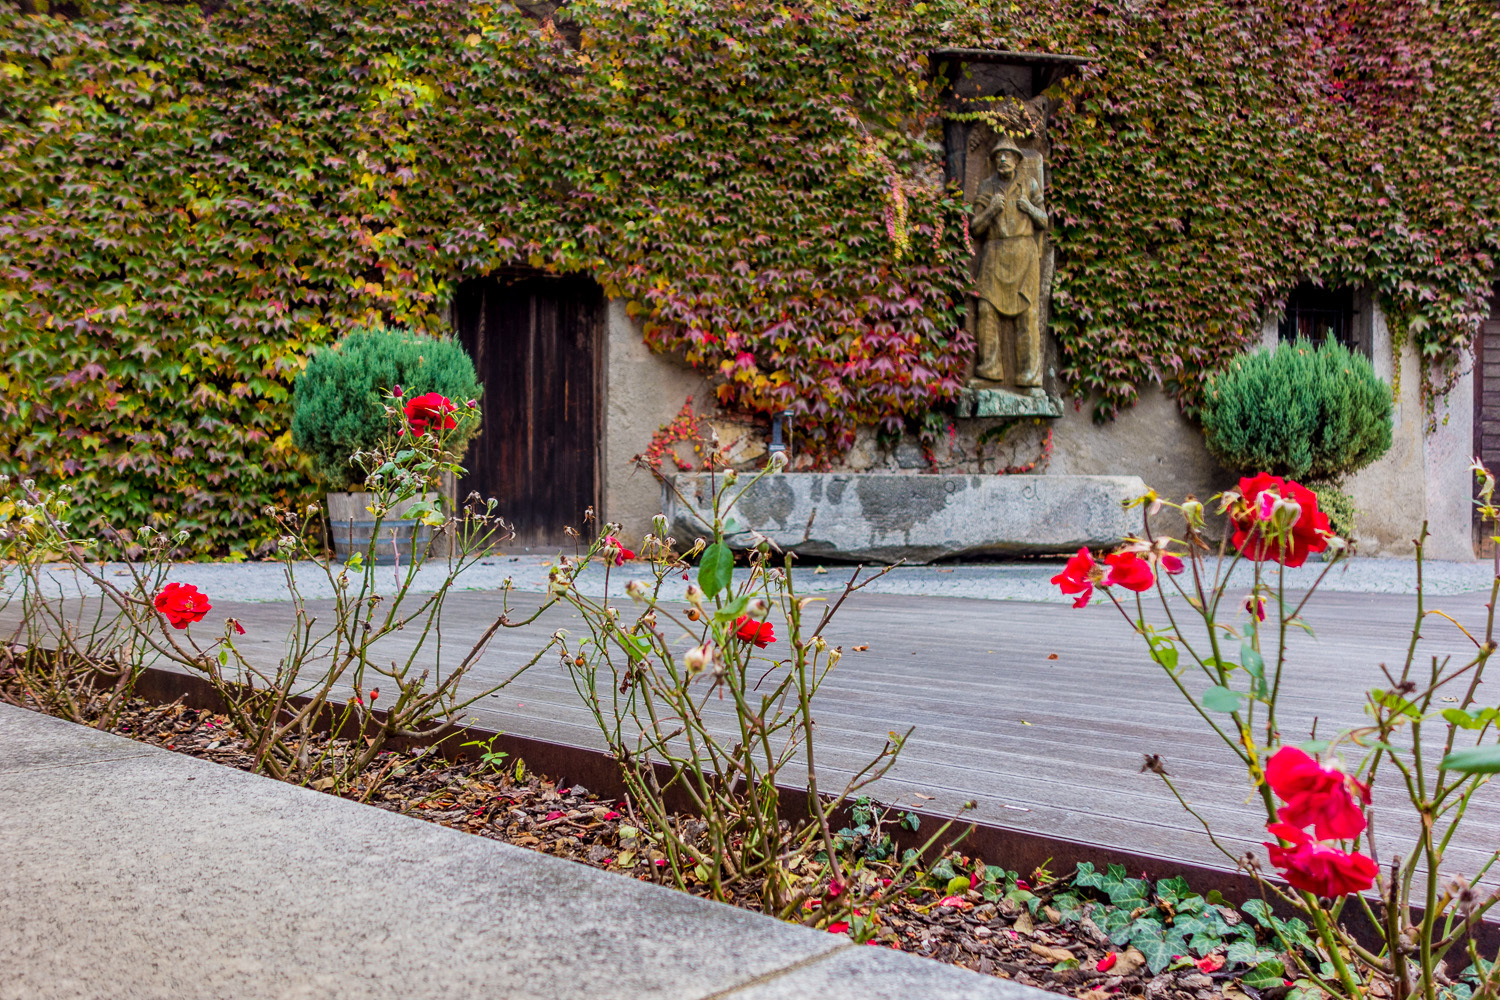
(400,540)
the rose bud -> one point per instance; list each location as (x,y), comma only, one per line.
(698,658)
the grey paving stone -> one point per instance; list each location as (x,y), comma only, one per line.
(868,973)
(162,876)
(28,740)
(992,581)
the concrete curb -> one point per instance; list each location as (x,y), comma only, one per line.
(127,871)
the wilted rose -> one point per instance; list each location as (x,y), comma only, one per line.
(1078,577)
(1316,867)
(1324,798)
(1128,570)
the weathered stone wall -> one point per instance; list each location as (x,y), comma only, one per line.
(642,391)
(1423,476)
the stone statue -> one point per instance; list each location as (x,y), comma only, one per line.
(1008,220)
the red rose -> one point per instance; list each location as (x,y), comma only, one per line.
(182,604)
(1317,796)
(1078,577)
(1317,868)
(432,408)
(1128,570)
(749,630)
(1258,538)
(621,553)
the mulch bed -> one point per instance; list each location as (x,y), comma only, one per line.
(995,937)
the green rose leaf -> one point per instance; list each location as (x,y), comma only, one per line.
(715,569)
(1475,760)
(1220,699)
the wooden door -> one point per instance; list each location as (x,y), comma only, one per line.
(1487,397)
(535,342)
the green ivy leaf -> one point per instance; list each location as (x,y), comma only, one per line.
(1267,975)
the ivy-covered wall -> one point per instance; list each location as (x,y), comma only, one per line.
(189,203)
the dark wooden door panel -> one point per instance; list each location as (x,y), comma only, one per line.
(536,345)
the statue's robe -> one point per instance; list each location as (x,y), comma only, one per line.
(1010,272)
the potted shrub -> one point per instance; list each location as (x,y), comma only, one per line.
(353,400)
(1312,413)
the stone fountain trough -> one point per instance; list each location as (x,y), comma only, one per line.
(886,517)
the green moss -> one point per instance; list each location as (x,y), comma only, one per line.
(337,406)
(1300,411)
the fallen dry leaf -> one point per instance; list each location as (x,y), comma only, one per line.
(1024,924)
(1051,656)
(1053,955)
(1130,960)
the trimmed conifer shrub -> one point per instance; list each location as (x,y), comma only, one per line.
(1307,412)
(337,408)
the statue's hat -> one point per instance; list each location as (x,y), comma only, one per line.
(1005,145)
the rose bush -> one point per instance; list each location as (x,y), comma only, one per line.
(1317,807)
(283,705)
(696,706)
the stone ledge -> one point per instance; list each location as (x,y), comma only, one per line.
(974,402)
(134,872)
(886,517)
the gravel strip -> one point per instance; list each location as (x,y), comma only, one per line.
(1019,581)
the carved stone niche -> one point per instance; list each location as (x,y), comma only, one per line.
(996,108)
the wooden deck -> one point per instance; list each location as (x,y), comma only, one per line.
(1043,745)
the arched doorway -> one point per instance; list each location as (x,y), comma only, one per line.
(536,344)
